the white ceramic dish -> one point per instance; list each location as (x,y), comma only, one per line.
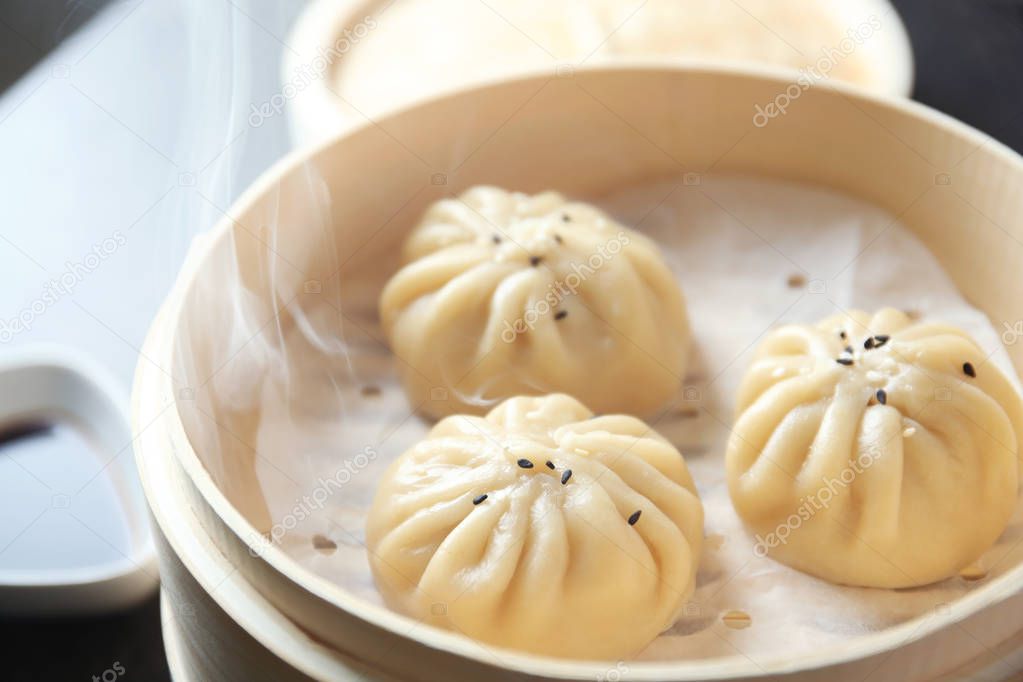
(316,110)
(954,187)
(52,384)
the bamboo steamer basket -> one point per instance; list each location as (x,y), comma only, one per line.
(238,609)
(328,32)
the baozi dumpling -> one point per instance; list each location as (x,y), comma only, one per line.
(541,528)
(872,450)
(506,294)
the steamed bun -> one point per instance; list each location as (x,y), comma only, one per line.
(507,294)
(871,450)
(541,528)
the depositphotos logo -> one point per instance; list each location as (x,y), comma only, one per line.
(74,274)
(310,72)
(559,290)
(811,504)
(310,504)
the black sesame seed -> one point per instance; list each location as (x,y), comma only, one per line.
(550,464)
(565,218)
(969,370)
(635,517)
(535,260)
(849,350)
(882,396)
(842,334)
(558,239)
(525,464)
(844,361)
(561,314)
(869,343)
(880,340)
(497,239)
(565,476)
(479,498)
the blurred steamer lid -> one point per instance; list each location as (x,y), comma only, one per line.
(353,60)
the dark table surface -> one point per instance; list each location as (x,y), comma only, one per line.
(969,61)
(969,64)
